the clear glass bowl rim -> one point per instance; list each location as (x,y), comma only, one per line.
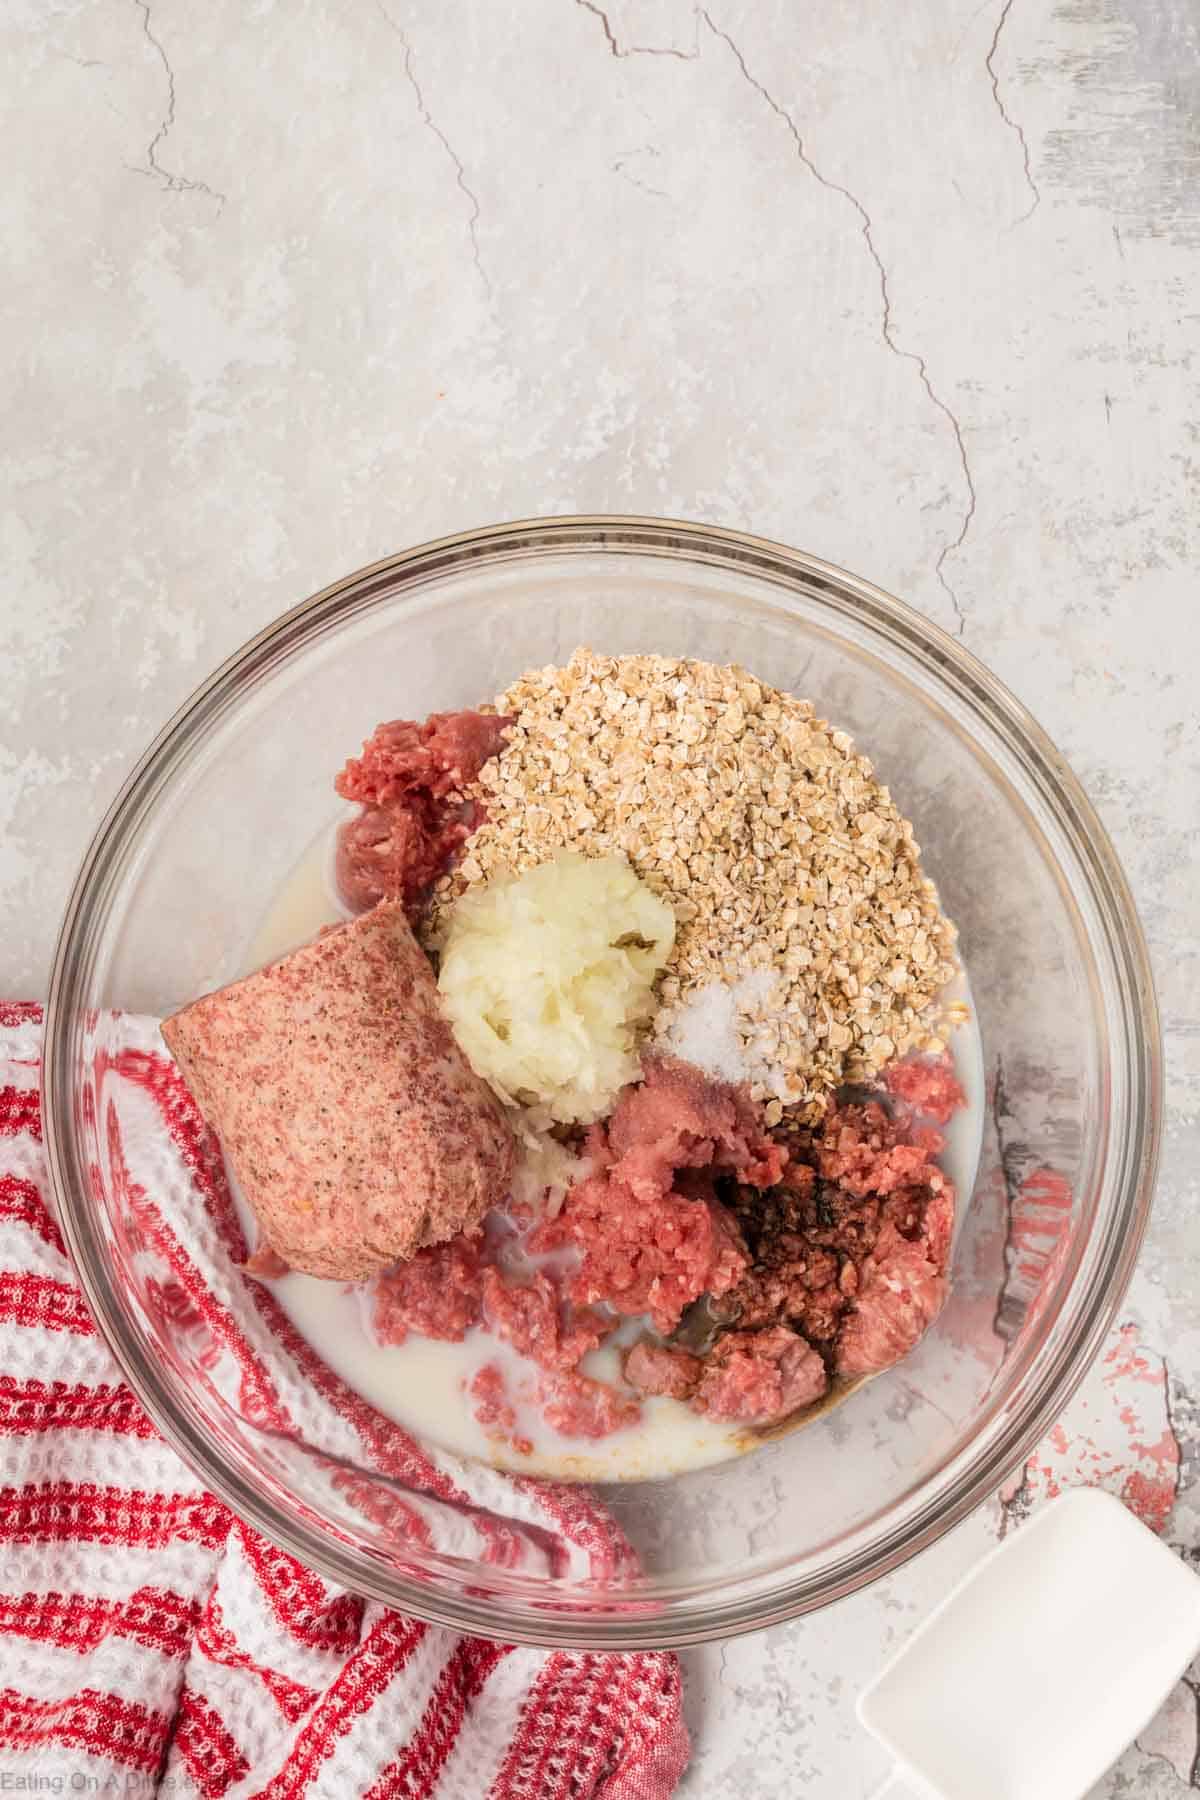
(844,595)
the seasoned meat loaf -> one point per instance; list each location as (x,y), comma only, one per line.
(352,1121)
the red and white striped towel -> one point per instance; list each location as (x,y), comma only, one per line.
(149,1641)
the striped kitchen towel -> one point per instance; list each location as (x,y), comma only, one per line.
(152,1643)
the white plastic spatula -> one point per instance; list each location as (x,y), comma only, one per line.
(1040,1668)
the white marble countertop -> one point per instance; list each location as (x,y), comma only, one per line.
(913,287)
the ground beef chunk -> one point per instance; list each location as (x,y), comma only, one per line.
(793,1280)
(678,1118)
(532,1318)
(869,1155)
(443,1292)
(851,1246)
(818,1256)
(900,1294)
(649,1255)
(760,1377)
(437,1293)
(394,854)
(435,759)
(655,1369)
(580,1407)
(652,1233)
(409,781)
(928,1084)
(493,1410)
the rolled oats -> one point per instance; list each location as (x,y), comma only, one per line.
(765,829)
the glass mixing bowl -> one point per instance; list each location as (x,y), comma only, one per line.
(235,788)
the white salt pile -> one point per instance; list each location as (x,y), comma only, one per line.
(709,1028)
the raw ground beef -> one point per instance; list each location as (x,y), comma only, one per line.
(657,1369)
(928,1084)
(532,1318)
(652,1234)
(820,1253)
(651,1255)
(677,1118)
(850,1249)
(847,1252)
(409,781)
(493,1411)
(749,1377)
(900,1293)
(444,1291)
(438,1293)
(757,1377)
(580,1407)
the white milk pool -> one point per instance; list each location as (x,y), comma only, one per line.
(421,1382)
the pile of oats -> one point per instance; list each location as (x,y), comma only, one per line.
(769,835)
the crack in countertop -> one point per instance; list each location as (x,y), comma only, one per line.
(636,49)
(431,125)
(1014,125)
(1172,1430)
(1160,1756)
(889,337)
(1193,1689)
(620,167)
(172,182)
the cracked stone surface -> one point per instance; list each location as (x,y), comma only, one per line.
(171,181)
(460,174)
(1014,125)
(886,324)
(913,288)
